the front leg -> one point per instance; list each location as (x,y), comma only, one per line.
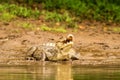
(39,54)
(43,56)
(29,53)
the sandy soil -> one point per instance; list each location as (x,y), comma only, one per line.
(94,45)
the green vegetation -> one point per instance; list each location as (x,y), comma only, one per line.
(7,17)
(27,25)
(45,28)
(23,12)
(116,29)
(59,29)
(64,19)
(68,13)
(10,11)
(57,17)
(100,10)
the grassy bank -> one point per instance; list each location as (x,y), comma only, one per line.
(61,13)
(55,20)
(99,10)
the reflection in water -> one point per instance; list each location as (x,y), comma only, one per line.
(58,71)
(55,71)
(64,72)
(51,72)
(41,72)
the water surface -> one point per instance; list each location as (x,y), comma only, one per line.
(59,72)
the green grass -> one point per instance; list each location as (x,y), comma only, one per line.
(68,13)
(23,11)
(45,28)
(5,16)
(57,17)
(59,29)
(64,10)
(61,18)
(100,10)
(11,11)
(27,25)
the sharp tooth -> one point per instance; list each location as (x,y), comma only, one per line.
(51,44)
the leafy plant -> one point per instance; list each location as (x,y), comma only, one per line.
(59,29)
(57,17)
(53,16)
(45,28)
(72,25)
(2,8)
(27,25)
(64,10)
(19,11)
(23,11)
(6,17)
(100,10)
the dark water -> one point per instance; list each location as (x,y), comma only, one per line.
(59,72)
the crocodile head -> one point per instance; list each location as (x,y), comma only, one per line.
(68,39)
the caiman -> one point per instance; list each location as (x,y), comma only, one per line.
(59,51)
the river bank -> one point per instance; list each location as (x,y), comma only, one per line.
(95,46)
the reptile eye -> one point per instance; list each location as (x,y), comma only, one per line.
(61,49)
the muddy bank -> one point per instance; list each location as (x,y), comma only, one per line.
(94,46)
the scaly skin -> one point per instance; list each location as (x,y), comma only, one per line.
(61,50)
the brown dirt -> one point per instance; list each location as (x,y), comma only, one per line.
(94,45)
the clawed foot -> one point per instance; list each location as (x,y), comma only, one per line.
(29,58)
